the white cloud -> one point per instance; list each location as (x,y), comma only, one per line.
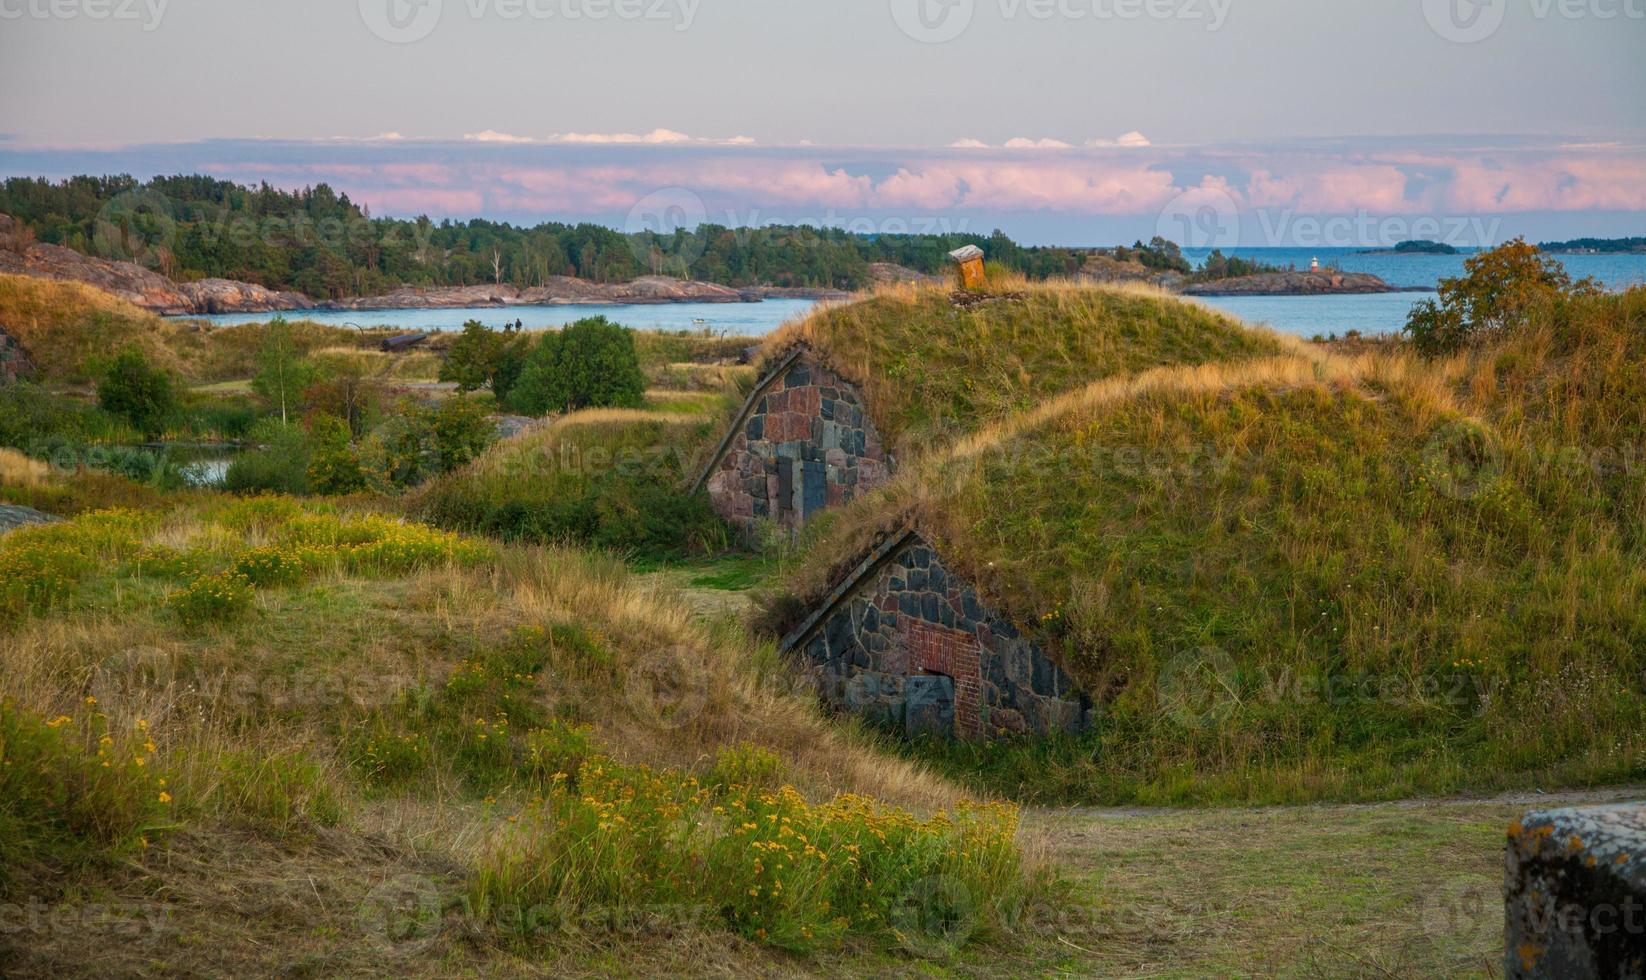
(655,136)
(1131,140)
(493,136)
(969,144)
(1019,143)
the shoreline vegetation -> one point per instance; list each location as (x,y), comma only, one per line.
(192,245)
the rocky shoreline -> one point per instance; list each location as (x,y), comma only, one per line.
(159,294)
(1300,284)
(155,292)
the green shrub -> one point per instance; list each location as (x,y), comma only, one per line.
(420,442)
(588,364)
(138,392)
(280,464)
(1500,289)
(212,599)
(333,466)
(42,423)
(745,765)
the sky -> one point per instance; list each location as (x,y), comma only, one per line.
(1214,122)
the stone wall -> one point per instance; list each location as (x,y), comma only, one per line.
(804,445)
(1575,894)
(14,364)
(914,648)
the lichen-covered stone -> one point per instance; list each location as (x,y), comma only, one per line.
(1575,894)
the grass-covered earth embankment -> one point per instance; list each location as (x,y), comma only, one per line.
(1313,577)
(934,365)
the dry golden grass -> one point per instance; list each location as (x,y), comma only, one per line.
(63,324)
(18,470)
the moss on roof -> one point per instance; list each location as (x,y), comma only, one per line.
(933,367)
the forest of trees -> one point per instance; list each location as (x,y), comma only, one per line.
(318,242)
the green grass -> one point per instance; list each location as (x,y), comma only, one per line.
(933,370)
(1304,580)
(609,478)
(367,688)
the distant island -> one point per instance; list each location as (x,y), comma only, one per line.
(1422,246)
(1294,283)
(1596,246)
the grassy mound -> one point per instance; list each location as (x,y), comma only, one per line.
(1297,578)
(610,478)
(933,368)
(528,744)
(67,326)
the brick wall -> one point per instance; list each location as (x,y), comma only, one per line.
(955,654)
(806,445)
(912,620)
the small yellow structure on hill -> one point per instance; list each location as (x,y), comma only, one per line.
(969,260)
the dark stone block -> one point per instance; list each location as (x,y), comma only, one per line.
(871,619)
(928,607)
(994,670)
(908,604)
(896,585)
(929,705)
(817,649)
(798,377)
(1042,678)
(971,607)
(827,408)
(756,428)
(917,580)
(945,615)
(938,581)
(841,637)
(830,393)
(922,557)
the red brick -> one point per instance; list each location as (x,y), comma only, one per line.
(940,650)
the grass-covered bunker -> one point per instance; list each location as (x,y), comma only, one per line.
(906,642)
(853,390)
(1293,568)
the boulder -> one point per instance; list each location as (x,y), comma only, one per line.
(13,516)
(1575,894)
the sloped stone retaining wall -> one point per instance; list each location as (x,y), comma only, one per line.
(804,444)
(912,647)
